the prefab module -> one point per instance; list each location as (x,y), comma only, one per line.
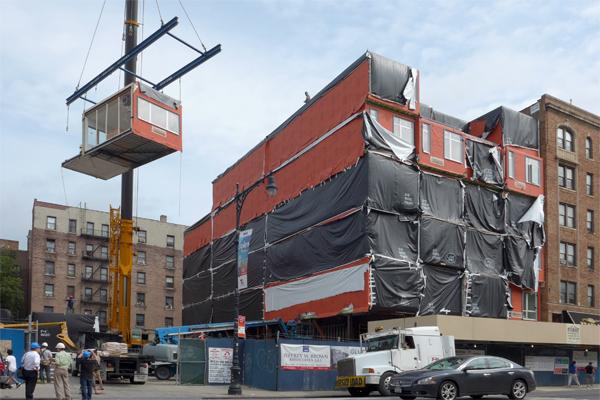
(131,128)
(384,207)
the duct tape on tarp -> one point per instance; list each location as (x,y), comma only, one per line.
(442,243)
(484,209)
(484,253)
(442,293)
(486,162)
(393,186)
(379,138)
(393,235)
(398,286)
(489,295)
(441,197)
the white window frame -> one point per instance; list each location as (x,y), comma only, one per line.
(404,129)
(589,184)
(589,221)
(74,270)
(153,109)
(51,222)
(50,246)
(426,138)
(589,257)
(533,173)
(141,257)
(529,312)
(451,139)
(511,164)
(48,293)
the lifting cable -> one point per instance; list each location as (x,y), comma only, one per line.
(91,43)
(159,14)
(191,23)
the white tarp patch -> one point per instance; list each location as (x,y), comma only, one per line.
(535,212)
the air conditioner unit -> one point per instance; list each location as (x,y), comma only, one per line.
(563,261)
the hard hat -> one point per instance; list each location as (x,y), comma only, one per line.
(87,354)
(60,346)
(44,344)
(35,345)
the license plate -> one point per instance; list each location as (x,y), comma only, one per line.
(350,381)
(139,378)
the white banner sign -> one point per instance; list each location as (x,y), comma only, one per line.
(305,357)
(539,363)
(219,364)
(340,352)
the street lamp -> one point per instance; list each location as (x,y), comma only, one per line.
(235,387)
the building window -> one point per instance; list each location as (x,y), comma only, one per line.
(103,295)
(168,321)
(70,291)
(590,257)
(170,241)
(169,282)
(169,304)
(71,270)
(88,272)
(589,221)
(374,114)
(568,292)
(89,249)
(158,116)
(426,138)
(104,231)
(564,139)
(567,254)
(511,164)
(87,311)
(48,309)
(141,278)
(104,252)
(589,184)
(453,147)
(141,236)
(49,290)
(170,262)
(589,150)
(51,223)
(89,228)
(533,171)
(50,245)
(49,268)
(71,248)
(404,129)
(72,226)
(104,274)
(102,317)
(566,177)
(140,298)
(141,257)
(566,215)
(139,319)
(87,293)
(590,296)
(530,305)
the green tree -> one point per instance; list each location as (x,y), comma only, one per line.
(11,285)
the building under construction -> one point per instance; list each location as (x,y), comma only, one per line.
(385,207)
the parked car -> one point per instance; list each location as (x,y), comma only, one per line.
(452,377)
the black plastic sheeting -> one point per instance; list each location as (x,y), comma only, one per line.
(197,313)
(441,197)
(197,262)
(485,168)
(517,206)
(518,129)
(442,243)
(77,324)
(488,296)
(398,287)
(393,236)
(223,250)
(251,306)
(443,291)
(484,253)
(388,78)
(198,288)
(445,119)
(257,240)
(393,186)
(520,262)
(484,208)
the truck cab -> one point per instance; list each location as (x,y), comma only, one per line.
(386,353)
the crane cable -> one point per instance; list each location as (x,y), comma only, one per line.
(159,14)
(191,23)
(91,44)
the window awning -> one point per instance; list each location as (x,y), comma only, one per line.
(583,318)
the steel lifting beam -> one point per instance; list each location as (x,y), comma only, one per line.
(121,61)
(187,68)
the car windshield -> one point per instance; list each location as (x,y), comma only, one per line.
(382,343)
(447,363)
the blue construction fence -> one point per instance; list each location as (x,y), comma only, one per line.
(550,365)
(12,339)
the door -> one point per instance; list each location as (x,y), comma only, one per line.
(502,375)
(476,377)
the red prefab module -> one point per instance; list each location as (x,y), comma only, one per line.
(131,128)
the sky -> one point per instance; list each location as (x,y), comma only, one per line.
(472,55)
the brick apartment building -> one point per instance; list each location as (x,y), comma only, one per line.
(570,145)
(68,256)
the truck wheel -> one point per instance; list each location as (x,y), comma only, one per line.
(162,373)
(359,392)
(384,383)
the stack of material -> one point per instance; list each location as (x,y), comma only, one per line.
(114,348)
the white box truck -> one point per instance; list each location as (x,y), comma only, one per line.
(386,353)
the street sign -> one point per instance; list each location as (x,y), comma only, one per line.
(242,326)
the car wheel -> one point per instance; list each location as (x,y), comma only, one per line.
(384,383)
(359,392)
(448,391)
(162,373)
(518,390)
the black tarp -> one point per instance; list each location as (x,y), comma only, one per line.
(320,248)
(343,192)
(223,249)
(442,293)
(441,197)
(388,78)
(76,324)
(393,186)
(485,167)
(442,243)
(517,206)
(197,289)
(518,129)
(197,313)
(196,262)
(520,262)
(397,286)
(484,209)
(224,278)
(488,296)
(256,268)
(251,306)
(393,236)
(484,253)
(257,240)
(444,119)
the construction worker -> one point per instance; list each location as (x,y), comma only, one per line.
(86,373)
(31,366)
(46,360)
(62,361)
